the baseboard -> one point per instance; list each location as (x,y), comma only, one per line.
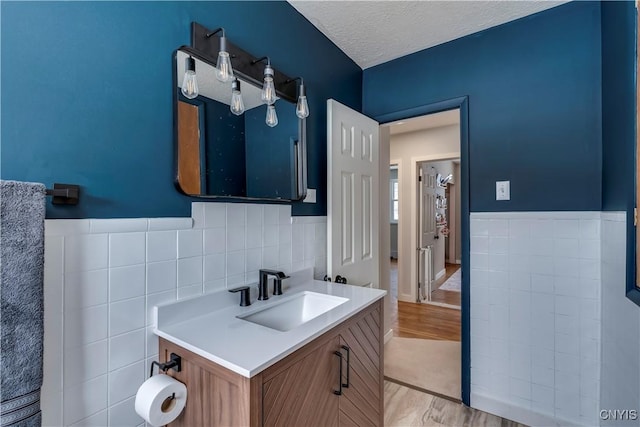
(516,413)
(441,304)
(441,273)
(388,336)
(458,261)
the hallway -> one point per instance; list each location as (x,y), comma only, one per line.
(424,353)
(412,320)
(447,297)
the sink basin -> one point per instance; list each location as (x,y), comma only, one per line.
(294,311)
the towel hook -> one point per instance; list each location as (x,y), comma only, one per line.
(64,194)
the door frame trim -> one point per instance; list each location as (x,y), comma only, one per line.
(462,103)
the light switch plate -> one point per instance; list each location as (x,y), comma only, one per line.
(311,196)
(503,191)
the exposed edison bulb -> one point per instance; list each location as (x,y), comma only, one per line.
(190,82)
(190,85)
(268,94)
(272,117)
(237,105)
(224,71)
(302,107)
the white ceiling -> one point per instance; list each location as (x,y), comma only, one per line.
(373,32)
(430,121)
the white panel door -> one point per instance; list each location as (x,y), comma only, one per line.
(353,200)
(428,231)
(428,195)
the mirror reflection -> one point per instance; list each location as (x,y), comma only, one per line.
(221,154)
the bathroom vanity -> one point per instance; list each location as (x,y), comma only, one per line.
(313,356)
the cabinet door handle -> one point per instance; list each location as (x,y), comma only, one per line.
(348,350)
(339,390)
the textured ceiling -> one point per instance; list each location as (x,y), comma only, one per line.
(430,121)
(373,32)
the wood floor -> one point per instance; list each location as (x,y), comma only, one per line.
(447,297)
(407,407)
(426,321)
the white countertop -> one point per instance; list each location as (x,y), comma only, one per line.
(207,325)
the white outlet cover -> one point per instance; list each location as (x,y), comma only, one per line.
(311,196)
(503,191)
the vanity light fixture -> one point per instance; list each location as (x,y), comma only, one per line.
(275,83)
(302,107)
(237,105)
(190,82)
(272,117)
(268,88)
(224,71)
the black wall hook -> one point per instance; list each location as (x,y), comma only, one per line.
(64,194)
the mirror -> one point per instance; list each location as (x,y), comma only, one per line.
(220,154)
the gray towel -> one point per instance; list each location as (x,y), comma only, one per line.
(22,212)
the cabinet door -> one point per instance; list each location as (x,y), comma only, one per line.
(361,402)
(303,394)
(217,397)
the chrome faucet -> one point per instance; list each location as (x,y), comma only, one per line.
(263,287)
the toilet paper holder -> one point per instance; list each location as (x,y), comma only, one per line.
(175,363)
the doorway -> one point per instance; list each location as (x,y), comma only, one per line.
(439,273)
(426,349)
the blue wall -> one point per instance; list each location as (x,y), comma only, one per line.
(618,104)
(619,121)
(87,94)
(534,88)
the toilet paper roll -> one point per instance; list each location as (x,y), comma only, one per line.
(160,399)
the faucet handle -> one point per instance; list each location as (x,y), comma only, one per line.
(277,283)
(277,287)
(245,300)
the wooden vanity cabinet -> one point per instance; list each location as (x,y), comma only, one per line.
(300,393)
(299,390)
(361,404)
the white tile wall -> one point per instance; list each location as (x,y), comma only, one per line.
(547,292)
(102,278)
(535,315)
